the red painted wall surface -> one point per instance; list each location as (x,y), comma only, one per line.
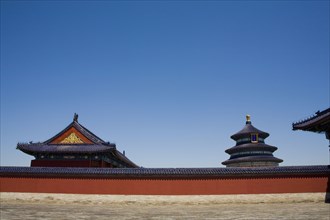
(69,163)
(165,187)
(60,163)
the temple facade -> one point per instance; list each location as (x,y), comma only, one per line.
(75,146)
(250,149)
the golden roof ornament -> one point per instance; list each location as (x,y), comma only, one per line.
(248,119)
(72,139)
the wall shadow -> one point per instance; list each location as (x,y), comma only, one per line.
(327,193)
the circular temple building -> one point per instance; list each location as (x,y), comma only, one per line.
(250,149)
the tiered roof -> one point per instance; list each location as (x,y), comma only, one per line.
(248,152)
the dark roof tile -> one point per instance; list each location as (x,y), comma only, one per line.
(247,130)
(34,148)
(319,122)
(165,172)
(251,146)
(261,158)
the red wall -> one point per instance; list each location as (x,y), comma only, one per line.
(60,163)
(165,187)
(69,163)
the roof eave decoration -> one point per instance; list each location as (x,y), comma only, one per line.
(319,122)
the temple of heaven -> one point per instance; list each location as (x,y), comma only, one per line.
(250,149)
(75,146)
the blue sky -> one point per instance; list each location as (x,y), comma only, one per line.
(168,81)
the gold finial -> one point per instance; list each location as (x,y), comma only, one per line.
(248,118)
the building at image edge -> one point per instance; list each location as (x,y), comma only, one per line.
(319,123)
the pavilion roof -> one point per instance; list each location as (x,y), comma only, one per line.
(251,146)
(74,139)
(319,122)
(255,158)
(34,148)
(247,130)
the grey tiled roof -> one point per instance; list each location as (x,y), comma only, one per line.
(251,146)
(318,122)
(35,148)
(247,130)
(255,158)
(163,173)
(97,146)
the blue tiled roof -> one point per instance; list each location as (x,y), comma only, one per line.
(247,130)
(145,173)
(251,146)
(255,158)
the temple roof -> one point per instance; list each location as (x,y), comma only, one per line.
(74,139)
(247,130)
(255,158)
(251,146)
(60,148)
(84,131)
(319,122)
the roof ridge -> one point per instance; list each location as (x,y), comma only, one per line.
(59,134)
(311,117)
(89,134)
(84,131)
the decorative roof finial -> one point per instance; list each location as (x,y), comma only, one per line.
(75,117)
(248,119)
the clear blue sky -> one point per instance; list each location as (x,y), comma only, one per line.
(168,81)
